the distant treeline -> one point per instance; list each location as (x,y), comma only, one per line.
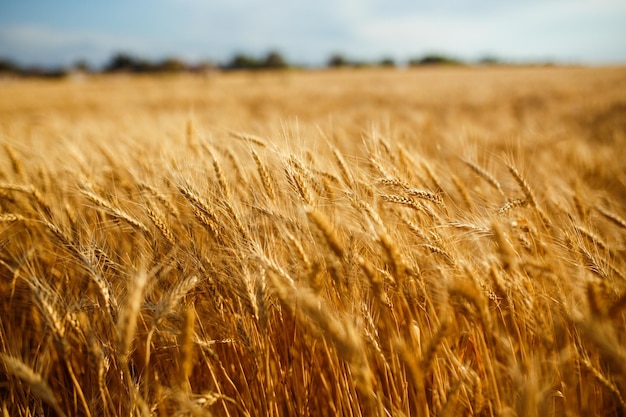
(274,60)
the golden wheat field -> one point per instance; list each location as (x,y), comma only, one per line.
(422,242)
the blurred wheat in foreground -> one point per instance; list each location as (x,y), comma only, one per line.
(425,244)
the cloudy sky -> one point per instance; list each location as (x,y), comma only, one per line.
(48,32)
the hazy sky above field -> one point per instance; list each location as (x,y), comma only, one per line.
(62,31)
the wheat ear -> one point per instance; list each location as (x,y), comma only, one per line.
(11,217)
(505,249)
(343,169)
(249,138)
(462,189)
(101,283)
(485,175)
(306,305)
(190,135)
(160,197)
(16,163)
(160,223)
(409,202)
(32,379)
(294,175)
(324,225)
(511,204)
(612,217)
(127,323)
(528,192)
(219,173)
(607,383)
(114,211)
(266,179)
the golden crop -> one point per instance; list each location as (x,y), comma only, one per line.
(360,242)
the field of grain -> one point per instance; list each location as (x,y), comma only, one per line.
(424,242)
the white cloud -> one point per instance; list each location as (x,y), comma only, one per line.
(567,30)
(40,44)
(419,33)
(308,31)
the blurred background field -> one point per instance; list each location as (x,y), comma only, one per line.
(436,107)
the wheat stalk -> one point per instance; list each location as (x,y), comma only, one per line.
(249,138)
(462,189)
(219,173)
(425,195)
(33,380)
(160,224)
(265,176)
(346,175)
(295,177)
(186,343)
(614,218)
(114,211)
(160,197)
(511,204)
(11,217)
(439,251)
(127,323)
(607,383)
(409,202)
(101,283)
(485,175)
(528,192)
(328,231)
(506,252)
(16,163)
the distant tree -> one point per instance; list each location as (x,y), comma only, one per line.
(144,65)
(387,62)
(337,61)
(203,67)
(8,67)
(171,65)
(361,63)
(43,72)
(489,60)
(243,61)
(435,59)
(58,72)
(121,62)
(81,65)
(274,60)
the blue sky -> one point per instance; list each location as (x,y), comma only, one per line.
(49,32)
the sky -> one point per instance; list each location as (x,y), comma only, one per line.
(60,32)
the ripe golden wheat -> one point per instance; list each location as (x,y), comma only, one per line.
(385,262)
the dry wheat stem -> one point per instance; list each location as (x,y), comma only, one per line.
(603,380)
(249,138)
(114,211)
(160,223)
(127,324)
(32,379)
(619,221)
(485,175)
(328,231)
(265,176)
(343,169)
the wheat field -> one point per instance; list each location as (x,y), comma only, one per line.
(424,242)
